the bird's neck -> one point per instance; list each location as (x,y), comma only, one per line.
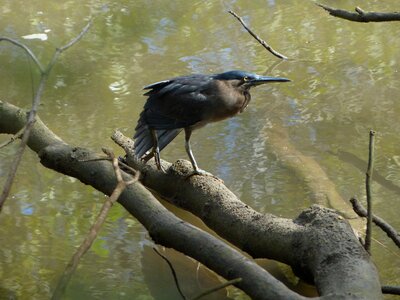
(230,100)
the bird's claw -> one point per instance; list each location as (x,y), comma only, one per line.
(201,172)
(161,168)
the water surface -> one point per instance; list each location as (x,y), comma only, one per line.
(345,81)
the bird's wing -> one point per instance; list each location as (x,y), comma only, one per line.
(177,103)
(171,106)
(155,86)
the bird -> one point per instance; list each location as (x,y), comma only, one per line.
(189,103)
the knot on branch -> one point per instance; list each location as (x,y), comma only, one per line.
(181,168)
(317,215)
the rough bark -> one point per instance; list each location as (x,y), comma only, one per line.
(318,244)
(163,226)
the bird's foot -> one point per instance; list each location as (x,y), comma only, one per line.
(161,168)
(201,172)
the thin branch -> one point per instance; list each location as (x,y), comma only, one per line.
(360,15)
(262,42)
(27,50)
(18,157)
(173,273)
(219,287)
(60,50)
(381,223)
(35,105)
(94,230)
(388,289)
(368,179)
(121,163)
(13,138)
(78,37)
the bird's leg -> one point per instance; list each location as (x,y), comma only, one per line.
(188,133)
(196,170)
(148,156)
(156,150)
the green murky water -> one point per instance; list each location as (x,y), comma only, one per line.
(345,81)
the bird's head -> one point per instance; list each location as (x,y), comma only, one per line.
(246,79)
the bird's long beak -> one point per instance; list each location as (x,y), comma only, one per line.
(264,79)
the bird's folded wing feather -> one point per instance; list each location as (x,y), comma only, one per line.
(172,105)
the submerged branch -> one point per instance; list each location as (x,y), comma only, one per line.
(171,267)
(219,287)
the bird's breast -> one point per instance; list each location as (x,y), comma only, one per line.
(228,103)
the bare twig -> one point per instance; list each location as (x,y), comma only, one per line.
(388,289)
(27,50)
(94,230)
(35,105)
(262,42)
(78,37)
(122,164)
(13,138)
(68,45)
(360,15)
(368,179)
(96,159)
(214,289)
(18,157)
(173,273)
(386,227)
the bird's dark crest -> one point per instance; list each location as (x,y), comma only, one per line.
(231,75)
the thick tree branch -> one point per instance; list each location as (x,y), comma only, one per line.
(360,15)
(319,244)
(306,243)
(163,226)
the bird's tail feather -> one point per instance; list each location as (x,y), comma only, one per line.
(144,139)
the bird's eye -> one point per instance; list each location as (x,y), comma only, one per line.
(245,78)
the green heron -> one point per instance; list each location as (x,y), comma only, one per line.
(190,102)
